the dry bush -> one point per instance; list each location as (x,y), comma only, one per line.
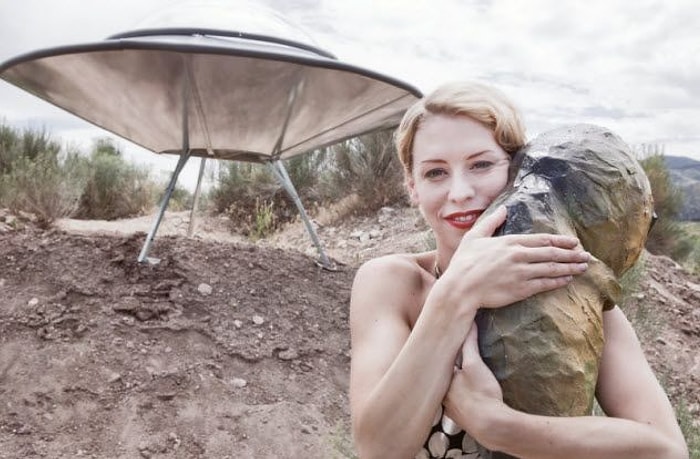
(114,188)
(367,167)
(16,144)
(256,202)
(43,186)
(358,176)
(667,237)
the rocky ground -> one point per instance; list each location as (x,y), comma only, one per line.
(225,348)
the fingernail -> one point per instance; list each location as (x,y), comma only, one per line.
(582,266)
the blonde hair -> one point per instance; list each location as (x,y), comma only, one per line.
(483,103)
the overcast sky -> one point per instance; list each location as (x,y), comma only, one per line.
(633,67)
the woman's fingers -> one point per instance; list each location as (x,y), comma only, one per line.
(544,284)
(489,224)
(554,269)
(543,240)
(539,248)
(470,348)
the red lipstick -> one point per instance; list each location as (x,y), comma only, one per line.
(463,220)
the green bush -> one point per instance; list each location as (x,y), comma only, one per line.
(667,237)
(180,199)
(28,143)
(252,197)
(43,185)
(264,219)
(114,188)
(368,167)
(364,167)
(35,176)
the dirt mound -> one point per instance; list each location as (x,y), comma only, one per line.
(220,350)
(224,348)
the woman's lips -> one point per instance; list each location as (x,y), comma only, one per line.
(463,220)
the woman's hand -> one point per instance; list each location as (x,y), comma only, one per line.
(474,392)
(497,271)
(473,383)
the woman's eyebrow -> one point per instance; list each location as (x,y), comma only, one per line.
(480,153)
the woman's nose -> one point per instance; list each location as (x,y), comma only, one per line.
(461,189)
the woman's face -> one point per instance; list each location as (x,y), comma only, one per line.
(458,170)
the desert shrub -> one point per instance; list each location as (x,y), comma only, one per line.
(180,199)
(114,188)
(365,168)
(306,171)
(43,185)
(28,144)
(368,167)
(264,219)
(667,237)
(35,176)
(255,201)
(238,190)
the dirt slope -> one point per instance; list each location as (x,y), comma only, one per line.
(224,348)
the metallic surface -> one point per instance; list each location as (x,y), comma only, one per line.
(235,95)
(245,99)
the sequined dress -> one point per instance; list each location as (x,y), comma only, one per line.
(447,440)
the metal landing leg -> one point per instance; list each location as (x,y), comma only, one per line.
(163,205)
(281,174)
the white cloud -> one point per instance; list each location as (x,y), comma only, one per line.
(631,66)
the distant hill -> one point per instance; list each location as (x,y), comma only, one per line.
(686,175)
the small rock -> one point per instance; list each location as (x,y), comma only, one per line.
(239,383)
(258,320)
(237,323)
(357,234)
(172,437)
(204,289)
(375,234)
(289,354)
(33,302)
(305,429)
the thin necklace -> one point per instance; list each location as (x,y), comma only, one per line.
(436,270)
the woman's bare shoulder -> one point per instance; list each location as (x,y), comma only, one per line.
(397,282)
(400,267)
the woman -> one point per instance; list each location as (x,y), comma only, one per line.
(412,315)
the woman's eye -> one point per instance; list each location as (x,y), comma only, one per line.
(482,165)
(434,173)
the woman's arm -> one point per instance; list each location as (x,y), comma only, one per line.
(399,372)
(398,376)
(640,422)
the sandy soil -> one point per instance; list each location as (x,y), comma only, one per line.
(224,349)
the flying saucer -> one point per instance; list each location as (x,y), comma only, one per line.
(238,82)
